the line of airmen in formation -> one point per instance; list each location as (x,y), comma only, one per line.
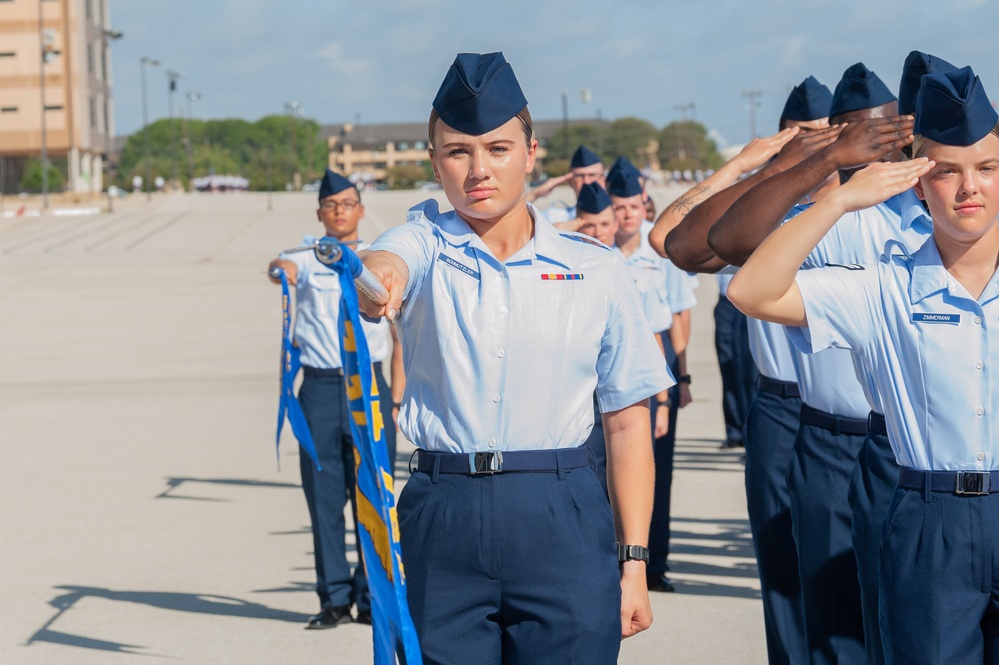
(828,442)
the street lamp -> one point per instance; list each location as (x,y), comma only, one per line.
(143,61)
(188,98)
(293,108)
(173,77)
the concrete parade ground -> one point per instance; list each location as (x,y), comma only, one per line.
(144,513)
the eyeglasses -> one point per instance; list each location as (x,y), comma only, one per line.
(346,206)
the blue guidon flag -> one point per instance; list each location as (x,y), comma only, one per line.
(290,364)
(377,521)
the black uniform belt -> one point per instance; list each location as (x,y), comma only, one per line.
(784,389)
(833,423)
(324,372)
(954,482)
(503,461)
(876,423)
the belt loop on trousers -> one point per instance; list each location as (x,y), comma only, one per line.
(558,462)
(927,488)
(435,475)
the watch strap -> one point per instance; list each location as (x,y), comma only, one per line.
(632,553)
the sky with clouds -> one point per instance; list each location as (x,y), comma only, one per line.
(382,60)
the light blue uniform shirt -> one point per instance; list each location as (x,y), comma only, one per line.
(828,380)
(557,214)
(724,279)
(651,273)
(506,356)
(927,345)
(317,314)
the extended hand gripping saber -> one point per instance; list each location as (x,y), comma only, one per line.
(330,250)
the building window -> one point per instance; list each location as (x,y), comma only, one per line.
(90,58)
(420,145)
(90,9)
(402,145)
(53,107)
(8,109)
(93,112)
(7,54)
(107,119)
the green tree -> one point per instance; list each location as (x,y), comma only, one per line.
(562,145)
(32,180)
(630,137)
(405,176)
(685,145)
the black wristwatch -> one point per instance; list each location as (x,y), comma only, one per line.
(632,553)
(684,378)
(664,402)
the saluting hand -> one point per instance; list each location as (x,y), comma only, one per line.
(806,144)
(879,182)
(758,152)
(394,275)
(866,141)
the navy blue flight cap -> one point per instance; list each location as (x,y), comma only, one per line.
(623,179)
(479,94)
(917,64)
(584,157)
(592,199)
(859,89)
(952,108)
(808,101)
(333,183)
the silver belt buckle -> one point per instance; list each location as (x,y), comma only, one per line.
(485,463)
(973,483)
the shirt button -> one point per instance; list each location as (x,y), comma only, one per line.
(502,273)
(978,319)
(979,410)
(979,365)
(981,457)
(504,309)
(496,399)
(492,443)
(501,353)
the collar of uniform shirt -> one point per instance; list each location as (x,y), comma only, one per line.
(910,209)
(546,243)
(928,274)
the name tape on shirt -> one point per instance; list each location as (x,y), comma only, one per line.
(457,265)
(561,276)
(935,318)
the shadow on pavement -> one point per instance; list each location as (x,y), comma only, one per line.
(173,483)
(178,602)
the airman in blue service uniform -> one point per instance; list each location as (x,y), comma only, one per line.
(672,294)
(324,404)
(920,324)
(508,327)
(585,168)
(875,475)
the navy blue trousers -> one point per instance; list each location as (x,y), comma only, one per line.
(940,579)
(324,404)
(771,427)
(663,449)
(874,481)
(738,371)
(513,568)
(819,482)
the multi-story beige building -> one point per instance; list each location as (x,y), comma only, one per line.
(371,150)
(75,89)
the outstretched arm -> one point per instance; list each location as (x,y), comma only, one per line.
(393,273)
(756,153)
(749,220)
(688,245)
(765,287)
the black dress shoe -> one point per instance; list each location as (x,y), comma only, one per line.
(659,582)
(329,617)
(732,443)
(363,617)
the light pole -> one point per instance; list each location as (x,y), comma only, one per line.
(188,98)
(47,54)
(173,77)
(293,108)
(752,96)
(143,61)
